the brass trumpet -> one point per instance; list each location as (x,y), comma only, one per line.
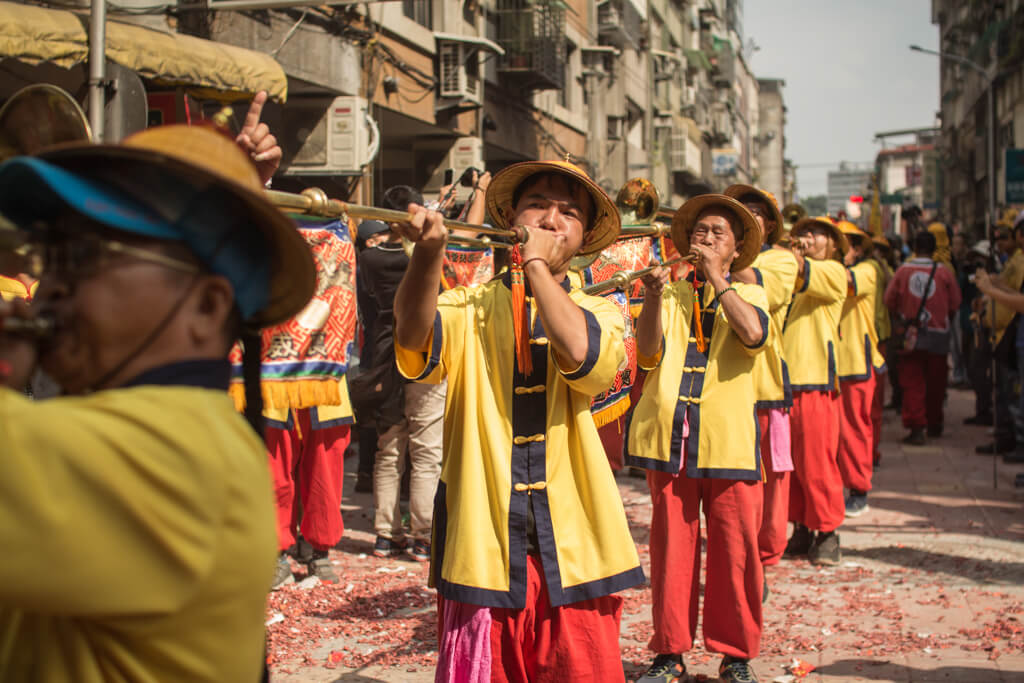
(622,279)
(40,327)
(638,204)
(314,202)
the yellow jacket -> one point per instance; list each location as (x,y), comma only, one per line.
(512,443)
(11,288)
(712,391)
(1013,277)
(157,502)
(811,336)
(883,321)
(776,270)
(858,339)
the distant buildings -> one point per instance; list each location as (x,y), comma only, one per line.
(990,34)
(373,95)
(846,181)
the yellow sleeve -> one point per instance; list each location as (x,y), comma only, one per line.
(756,296)
(824,280)
(606,351)
(864,279)
(120,514)
(431,365)
(778,277)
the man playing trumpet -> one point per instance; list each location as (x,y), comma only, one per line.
(530,538)
(695,430)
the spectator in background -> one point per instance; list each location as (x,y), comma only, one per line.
(925,296)
(1013,299)
(880,256)
(1002,322)
(977,349)
(409,416)
(369,235)
(959,255)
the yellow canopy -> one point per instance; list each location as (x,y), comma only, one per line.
(34,34)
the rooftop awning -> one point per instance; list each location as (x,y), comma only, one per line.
(33,35)
(472,40)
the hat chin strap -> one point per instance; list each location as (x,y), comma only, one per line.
(147,341)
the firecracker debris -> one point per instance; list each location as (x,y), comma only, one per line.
(931,587)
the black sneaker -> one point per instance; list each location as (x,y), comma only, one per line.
(764,589)
(364,482)
(979,420)
(664,669)
(856,503)
(1014,458)
(734,670)
(934,431)
(320,567)
(283,573)
(1018,481)
(799,543)
(420,551)
(915,437)
(825,550)
(996,447)
(387,547)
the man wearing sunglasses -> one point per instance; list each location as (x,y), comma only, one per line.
(138,505)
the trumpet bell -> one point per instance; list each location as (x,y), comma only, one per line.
(637,202)
(792,213)
(39,116)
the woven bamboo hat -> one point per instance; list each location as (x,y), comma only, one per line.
(604,226)
(851,230)
(737,192)
(686,217)
(182,173)
(805,224)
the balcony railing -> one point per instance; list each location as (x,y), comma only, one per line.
(533,37)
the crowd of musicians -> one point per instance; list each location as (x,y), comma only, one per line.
(743,378)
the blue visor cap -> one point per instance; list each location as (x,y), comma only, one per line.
(33,190)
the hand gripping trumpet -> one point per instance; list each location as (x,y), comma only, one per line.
(622,279)
(315,202)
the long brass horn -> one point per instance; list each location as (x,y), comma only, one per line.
(637,202)
(39,116)
(314,202)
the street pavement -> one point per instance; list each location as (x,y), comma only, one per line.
(931,587)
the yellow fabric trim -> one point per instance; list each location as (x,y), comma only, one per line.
(539,340)
(306,393)
(613,412)
(536,389)
(536,486)
(690,369)
(520,440)
(34,35)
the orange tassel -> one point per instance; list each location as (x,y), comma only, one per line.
(698,314)
(520,324)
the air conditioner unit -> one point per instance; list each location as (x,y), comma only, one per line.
(332,137)
(464,153)
(458,70)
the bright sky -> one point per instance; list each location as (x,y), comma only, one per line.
(849,74)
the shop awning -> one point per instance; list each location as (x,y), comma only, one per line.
(33,35)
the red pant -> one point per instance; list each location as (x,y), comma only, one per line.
(923,380)
(771,540)
(545,644)
(733,577)
(856,432)
(312,460)
(816,494)
(612,436)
